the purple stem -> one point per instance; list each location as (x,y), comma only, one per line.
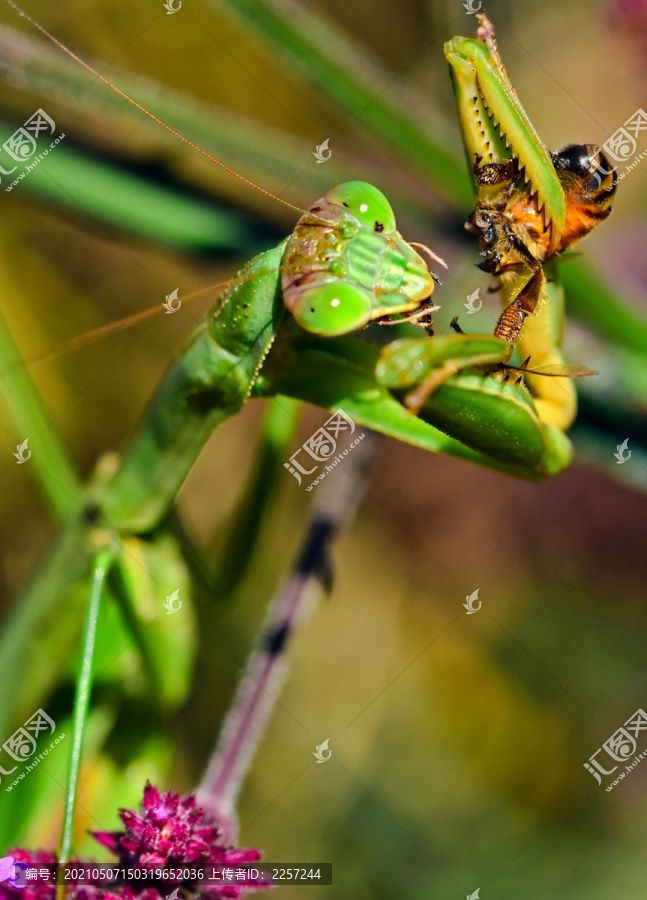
(263,676)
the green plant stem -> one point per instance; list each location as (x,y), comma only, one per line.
(102,564)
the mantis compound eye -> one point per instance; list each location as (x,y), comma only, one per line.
(334,308)
(368,205)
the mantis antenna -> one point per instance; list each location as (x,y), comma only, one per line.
(150,115)
(76,342)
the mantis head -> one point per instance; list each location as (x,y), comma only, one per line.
(358,270)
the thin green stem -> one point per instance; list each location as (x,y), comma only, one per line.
(102,564)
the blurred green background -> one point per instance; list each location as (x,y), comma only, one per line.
(458,742)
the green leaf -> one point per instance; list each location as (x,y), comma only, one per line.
(86,186)
(49,462)
(592,301)
(271,157)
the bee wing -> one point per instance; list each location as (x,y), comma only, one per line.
(557,370)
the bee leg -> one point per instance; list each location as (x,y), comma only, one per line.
(524,304)
(494,172)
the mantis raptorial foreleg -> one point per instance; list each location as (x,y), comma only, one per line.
(531,204)
(469,415)
(449,384)
(465,386)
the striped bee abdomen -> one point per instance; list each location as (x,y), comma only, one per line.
(589,182)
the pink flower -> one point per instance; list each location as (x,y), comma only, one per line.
(630,11)
(6,869)
(36,860)
(170,832)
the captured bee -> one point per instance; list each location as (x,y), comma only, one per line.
(514,234)
(529,206)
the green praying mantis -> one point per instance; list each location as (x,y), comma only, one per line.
(345,266)
(286,326)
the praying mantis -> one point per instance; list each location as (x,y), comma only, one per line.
(457,383)
(286,327)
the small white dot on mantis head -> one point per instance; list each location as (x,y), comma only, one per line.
(363,207)
(334,302)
